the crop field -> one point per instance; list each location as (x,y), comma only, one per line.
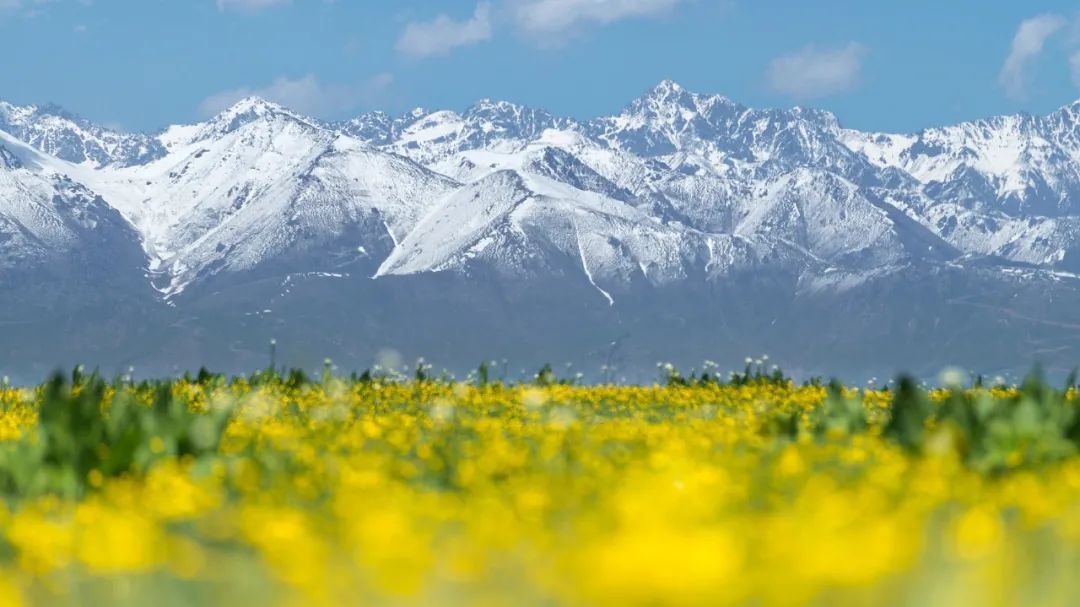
(279,489)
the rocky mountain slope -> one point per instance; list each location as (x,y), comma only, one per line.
(684,221)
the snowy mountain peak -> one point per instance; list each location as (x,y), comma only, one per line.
(510,120)
(250,109)
(682,202)
(55,109)
(242,113)
(1069,113)
(822,118)
(665,94)
(68,136)
(254,105)
(10,111)
(488,105)
(376,128)
(668,95)
(668,86)
(260,180)
(18,114)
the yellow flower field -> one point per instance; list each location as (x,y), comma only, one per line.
(378,492)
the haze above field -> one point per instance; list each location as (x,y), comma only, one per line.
(899,67)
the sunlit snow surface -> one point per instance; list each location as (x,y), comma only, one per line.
(678,187)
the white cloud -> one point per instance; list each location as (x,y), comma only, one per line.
(13,4)
(28,9)
(438,37)
(1027,45)
(813,72)
(247,5)
(306,95)
(540,17)
(1074,67)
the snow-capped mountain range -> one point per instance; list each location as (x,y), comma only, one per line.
(680,202)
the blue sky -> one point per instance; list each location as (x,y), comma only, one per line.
(898,66)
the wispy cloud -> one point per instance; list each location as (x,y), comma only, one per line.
(1074,67)
(813,72)
(1027,45)
(548,22)
(444,34)
(247,5)
(560,16)
(20,4)
(32,9)
(307,95)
